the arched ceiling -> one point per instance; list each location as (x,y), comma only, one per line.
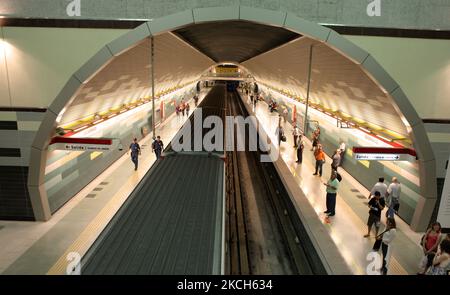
(337,83)
(235,41)
(127,77)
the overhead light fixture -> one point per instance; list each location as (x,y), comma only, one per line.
(81,128)
(384,138)
(364,129)
(98,121)
(113,115)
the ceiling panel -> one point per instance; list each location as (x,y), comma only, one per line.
(235,41)
(127,77)
(336,82)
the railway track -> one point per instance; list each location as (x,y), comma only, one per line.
(263,233)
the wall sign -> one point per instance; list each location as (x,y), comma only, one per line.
(83,144)
(383,154)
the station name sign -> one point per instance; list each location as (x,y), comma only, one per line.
(82,144)
(383,154)
(82,147)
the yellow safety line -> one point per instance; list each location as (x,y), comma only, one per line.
(90,233)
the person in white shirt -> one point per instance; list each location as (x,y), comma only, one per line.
(386,245)
(393,201)
(296,133)
(381,187)
(342,148)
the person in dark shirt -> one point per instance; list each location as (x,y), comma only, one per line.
(158,147)
(376,205)
(135,152)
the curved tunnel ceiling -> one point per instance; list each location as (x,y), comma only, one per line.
(337,83)
(235,41)
(127,77)
(274,56)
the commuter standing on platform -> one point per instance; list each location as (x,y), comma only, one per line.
(196,100)
(381,187)
(315,139)
(376,205)
(280,134)
(394,190)
(320,159)
(188,108)
(342,148)
(285,114)
(300,147)
(430,242)
(158,147)
(182,108)
(296,133)
(135,152)
(332,188)
(441,262)
(386,245)
(336,160)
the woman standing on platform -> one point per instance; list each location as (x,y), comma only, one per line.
(386,243)
(441,262)
(430,242)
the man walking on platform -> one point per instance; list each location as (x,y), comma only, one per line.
(158,147)
(135,152)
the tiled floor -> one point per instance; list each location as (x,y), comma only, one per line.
(41,247)
(348,227)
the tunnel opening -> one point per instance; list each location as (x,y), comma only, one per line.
(347,85)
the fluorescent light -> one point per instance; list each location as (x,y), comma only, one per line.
(113,115)
(98,121)
(123,111)
(384,138)
(81,128)
(364,129)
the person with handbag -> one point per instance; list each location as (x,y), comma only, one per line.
(430,242)
(441,262)
(384,241)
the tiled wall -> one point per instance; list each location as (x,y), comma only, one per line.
(366,172)
(68,172)
(17,130)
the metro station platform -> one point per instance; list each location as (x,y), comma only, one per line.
(42,247)
(348,227)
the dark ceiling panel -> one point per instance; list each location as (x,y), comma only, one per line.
(235,41)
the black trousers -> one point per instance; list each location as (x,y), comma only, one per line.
(299,155)
(331,203)
(384,250)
